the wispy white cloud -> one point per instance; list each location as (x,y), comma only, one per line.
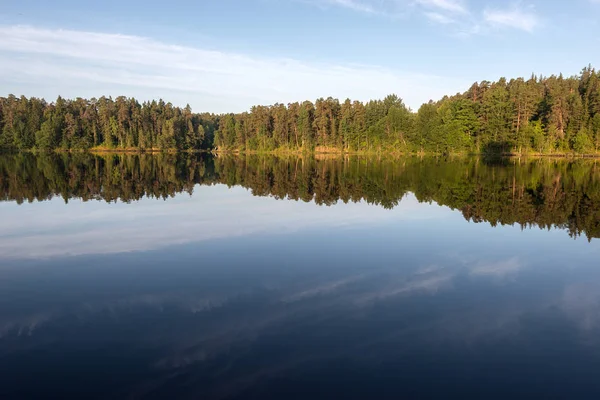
(356,5)
(391,9)
(440,18)
(453,6)
(515,17)
(454,13)
(48,62)
(395,8)
(466,20)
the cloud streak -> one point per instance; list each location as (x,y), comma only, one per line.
(49,62)
(395,8)
(451,12)
(355,5)
(439,18)
(453,6)
(515,17)
(385,8)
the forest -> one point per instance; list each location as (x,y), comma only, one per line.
(545,192)
(541,115)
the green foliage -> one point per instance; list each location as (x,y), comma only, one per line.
(460,125)
(581,142)
(533,135)
(428,128)
(548,115)
(113,124)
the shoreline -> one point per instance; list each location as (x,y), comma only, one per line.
(301,153)
(408,154)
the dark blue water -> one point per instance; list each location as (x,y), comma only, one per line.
(225,295)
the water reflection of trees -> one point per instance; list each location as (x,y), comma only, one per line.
(541,192)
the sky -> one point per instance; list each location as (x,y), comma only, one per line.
(227,55)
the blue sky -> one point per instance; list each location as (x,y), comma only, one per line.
(226,55)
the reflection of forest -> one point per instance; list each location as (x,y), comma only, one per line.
(542,192)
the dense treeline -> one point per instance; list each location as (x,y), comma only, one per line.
(545,115)
(121,123)
(545,193)
(540,114)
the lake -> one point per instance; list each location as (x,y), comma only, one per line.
(263,277)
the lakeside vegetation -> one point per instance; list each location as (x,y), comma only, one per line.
(542,192)
(541,115)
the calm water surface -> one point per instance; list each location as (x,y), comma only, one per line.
(184,276)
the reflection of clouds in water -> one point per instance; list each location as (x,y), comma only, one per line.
(210,327)
(468,325)
(25,325)
(51,229)
(428,269)
(498,269)
(327,288)
(432,278)
(581,303)
(382,286)
(424,283)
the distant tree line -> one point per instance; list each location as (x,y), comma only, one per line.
(544,192)
(122,123)
(541,114)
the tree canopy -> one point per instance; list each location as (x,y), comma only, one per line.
(540,114)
